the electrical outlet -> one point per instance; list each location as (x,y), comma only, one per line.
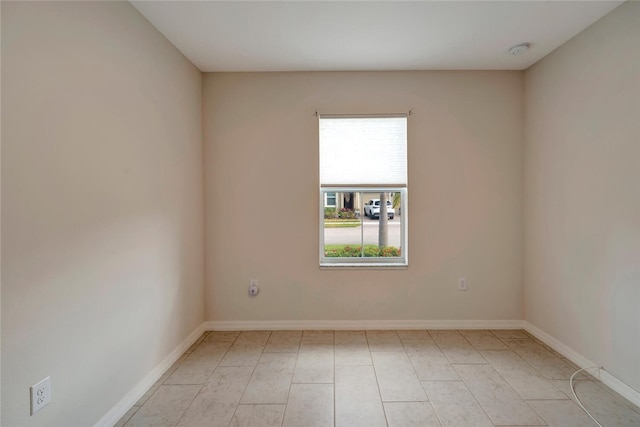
(253,287)
(462,284)
(40,395)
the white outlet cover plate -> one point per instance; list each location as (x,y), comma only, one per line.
(40,395)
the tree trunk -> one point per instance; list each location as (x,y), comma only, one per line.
(383,234)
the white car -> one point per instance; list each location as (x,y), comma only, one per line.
(372,209)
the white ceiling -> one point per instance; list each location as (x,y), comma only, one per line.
(368,35)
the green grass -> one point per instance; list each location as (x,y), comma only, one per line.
(352,251)
(341,223)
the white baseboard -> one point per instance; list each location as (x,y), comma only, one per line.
(127,402)
(629,393)
(562,348)
(607,379)
(247,325)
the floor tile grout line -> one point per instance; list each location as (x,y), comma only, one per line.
(168,373)
(413,369)
(408,358)
(190,403)
(469,342)
(432,406)
(510,386)
(204,383)
(293,373)
(472,393)
(529,365)
(475,398)
(253,370)
(544,348)
(375,374)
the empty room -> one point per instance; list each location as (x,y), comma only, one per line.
(320,213)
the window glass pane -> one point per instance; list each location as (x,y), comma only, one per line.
(351,234)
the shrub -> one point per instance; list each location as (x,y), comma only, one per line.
(390,251)
(371,251)
(344,252)
(346,213)
(330,213)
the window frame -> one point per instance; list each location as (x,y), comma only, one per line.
(393,180)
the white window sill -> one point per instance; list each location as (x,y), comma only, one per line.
(364,266)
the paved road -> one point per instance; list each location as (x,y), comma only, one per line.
(368,231)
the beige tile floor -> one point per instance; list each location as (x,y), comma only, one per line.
(374,378)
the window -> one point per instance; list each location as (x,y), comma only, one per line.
(329,200)
(363,191)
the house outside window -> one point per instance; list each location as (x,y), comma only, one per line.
(363,191)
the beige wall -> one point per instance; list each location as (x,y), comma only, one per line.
(582,194)
(102,273)
(465,196)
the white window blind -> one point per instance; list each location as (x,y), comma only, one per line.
(363,151)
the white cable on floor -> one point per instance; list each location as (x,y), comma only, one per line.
(576,397)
